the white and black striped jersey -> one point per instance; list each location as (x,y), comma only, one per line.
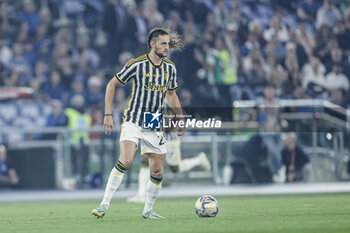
(149,85)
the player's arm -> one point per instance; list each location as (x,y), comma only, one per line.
(175,105)
(121,77)
(110,93)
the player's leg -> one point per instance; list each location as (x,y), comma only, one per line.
(156,163)
(144,175)
(177,164)
(190,163)
(127,152)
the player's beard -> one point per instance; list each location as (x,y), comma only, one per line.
(160,55)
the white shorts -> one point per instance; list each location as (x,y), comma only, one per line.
(173,156)
(151,141)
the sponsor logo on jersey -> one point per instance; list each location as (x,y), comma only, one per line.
(154,87)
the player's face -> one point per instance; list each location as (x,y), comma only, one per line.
(162,46)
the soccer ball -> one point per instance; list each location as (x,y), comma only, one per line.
(206,206)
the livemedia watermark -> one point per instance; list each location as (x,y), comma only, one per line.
(158,120)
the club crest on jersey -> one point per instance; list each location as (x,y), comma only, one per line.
(152,120)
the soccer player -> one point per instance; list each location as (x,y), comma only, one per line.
(153,78)
(173,159)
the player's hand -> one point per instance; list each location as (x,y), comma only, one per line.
(182,128)
(108,125)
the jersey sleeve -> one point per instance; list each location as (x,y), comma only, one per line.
(127,72)
(173,80)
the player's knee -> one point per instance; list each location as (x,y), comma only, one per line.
(127,162)
(157,172)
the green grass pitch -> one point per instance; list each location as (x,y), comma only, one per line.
(276,213)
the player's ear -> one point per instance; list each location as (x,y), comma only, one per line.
(152,44)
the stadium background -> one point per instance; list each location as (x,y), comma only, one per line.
(57,55)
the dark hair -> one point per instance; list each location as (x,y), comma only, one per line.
(175,39)
(154,33)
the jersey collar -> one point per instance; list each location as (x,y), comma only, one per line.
(154,65)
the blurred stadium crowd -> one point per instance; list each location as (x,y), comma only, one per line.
(67,50)
(234,48)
